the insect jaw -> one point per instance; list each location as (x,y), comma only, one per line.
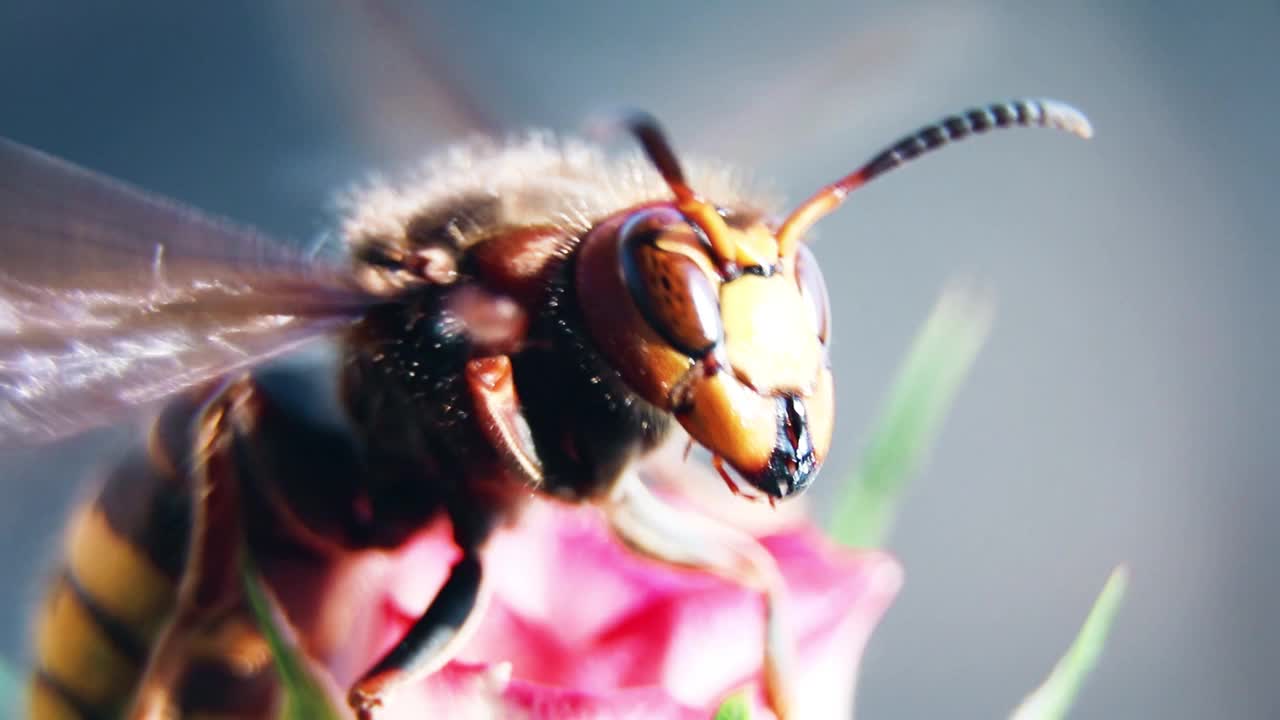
(768,440)
(792,465)
(739,362)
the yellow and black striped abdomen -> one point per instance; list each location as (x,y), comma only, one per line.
(124,559)
(301,481)
(124,555)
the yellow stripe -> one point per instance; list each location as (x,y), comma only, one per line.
(73,648)
(45,704)
(119,577)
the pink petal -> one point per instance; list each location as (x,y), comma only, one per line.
(592,631)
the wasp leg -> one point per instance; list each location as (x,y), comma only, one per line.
(493,394)
(654,529)
(438,634)
(209,591)
(431,642)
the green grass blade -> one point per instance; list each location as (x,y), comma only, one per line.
(735,707)
(305,696)
(1053,698)
(938,362)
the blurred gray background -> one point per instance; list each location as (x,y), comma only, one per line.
(1124,410)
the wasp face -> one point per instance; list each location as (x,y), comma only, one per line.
(725,326)
(734,348)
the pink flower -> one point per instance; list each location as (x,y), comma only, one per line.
(578,628)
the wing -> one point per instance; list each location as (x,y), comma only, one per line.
(111,299)
(394,84)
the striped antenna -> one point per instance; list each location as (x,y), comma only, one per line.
(703,214)
(1027,113)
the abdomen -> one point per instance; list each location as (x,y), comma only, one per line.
(125,552)
(314,498)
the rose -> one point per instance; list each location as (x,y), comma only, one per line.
(579,628)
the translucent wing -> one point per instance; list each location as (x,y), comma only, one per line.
(111,299)
(835,79)
(393,81)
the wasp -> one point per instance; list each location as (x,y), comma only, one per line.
(526,319)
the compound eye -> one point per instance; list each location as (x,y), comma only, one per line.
(814,290)
(674,294)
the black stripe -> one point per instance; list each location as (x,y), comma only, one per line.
(82,708)
(117,633)
(150,509)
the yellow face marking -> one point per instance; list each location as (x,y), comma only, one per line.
(118,576)
(770,334)
(756,246)
(721,402)
(822,413)
(74,649)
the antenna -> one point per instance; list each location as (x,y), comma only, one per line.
(704,214)
(1024,112)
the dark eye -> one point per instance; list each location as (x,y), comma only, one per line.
(673,293)
(814,290)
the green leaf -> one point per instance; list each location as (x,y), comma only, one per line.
(938,362)
(735,707)
(1053,698)
(305,696)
